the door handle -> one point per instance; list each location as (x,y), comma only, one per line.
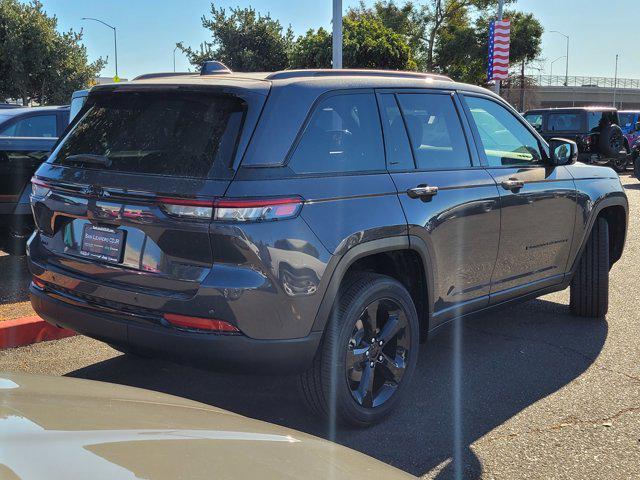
(422,191)
(512,184)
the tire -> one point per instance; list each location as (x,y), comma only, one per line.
(589,292)
(330,387)
(636,163)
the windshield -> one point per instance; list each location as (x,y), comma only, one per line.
(177,134)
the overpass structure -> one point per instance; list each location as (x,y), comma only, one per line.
(544,91)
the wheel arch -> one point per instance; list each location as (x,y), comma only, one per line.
(396,257)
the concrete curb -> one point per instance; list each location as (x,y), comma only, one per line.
(27,330)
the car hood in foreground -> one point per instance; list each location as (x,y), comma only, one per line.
(63,428)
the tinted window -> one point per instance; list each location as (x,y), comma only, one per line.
(565,121)
(343,135)
(596,120)
(535,119)
(399,156)
(35,126)
(177,134)
(435,132)
(505,140)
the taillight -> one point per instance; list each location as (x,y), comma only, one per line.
(39,188)
(252,210)
(199,323)
(233,210)
(587,140)
(187,208)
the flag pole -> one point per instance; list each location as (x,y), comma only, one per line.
(496,84)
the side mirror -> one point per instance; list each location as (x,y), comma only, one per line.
(563,151)
(637,126)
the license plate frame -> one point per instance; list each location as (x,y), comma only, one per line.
(103,243)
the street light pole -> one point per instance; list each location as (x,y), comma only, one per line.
(115,39)
(174,58)
(566,72)
(615,82)
(337,34)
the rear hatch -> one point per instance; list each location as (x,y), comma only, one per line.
(126,197)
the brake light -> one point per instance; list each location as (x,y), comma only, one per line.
(39,188)
(252,210)
(187,208)
(38,283)
(199,323)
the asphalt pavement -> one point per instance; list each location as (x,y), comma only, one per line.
(543,395)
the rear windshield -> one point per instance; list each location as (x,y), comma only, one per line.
(185,134)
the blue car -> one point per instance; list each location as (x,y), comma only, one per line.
(629,124)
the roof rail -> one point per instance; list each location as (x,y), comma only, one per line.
(145,76)
(285,74)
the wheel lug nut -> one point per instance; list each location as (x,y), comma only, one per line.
(373,340)
(371,364)
(367,353)
(380,358)
(380,342)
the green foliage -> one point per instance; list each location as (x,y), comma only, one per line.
(367,43)
(462,47)
(37,63)
(244,40)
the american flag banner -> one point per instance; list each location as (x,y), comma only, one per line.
(499,37)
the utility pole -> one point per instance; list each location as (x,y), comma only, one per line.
(522,86)
(174,58)
(337,34)
(615,82)
(496,84)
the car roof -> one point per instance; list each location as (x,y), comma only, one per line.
(14,112)
(571,109)
(318,79)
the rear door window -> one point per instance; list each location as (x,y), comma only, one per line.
(435,132)
(36,126)
(343,135)
(187,134)
(396,142)
(566,121)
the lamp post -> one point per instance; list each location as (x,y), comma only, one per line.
(337,34)
(566,73)
(615,82)
(115,41)
(552,62)
(174,58)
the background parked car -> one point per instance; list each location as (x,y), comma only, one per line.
(596,131)
(66,428)
(630,128)
(27,135)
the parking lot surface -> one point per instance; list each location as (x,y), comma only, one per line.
(543,394)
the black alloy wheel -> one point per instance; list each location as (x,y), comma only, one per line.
(368,352)
(377,353)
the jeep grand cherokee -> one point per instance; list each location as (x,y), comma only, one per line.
(317,222)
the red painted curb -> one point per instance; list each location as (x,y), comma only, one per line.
(27,330)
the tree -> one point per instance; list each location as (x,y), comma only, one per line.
(462,47)
(244,40)
(367,43)
(37,63)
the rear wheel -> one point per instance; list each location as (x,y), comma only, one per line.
(589,293)
(368,353)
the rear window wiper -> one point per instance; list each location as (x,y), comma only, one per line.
(90,159)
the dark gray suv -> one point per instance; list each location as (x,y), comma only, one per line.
(316,222)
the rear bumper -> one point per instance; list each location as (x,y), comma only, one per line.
(204,350)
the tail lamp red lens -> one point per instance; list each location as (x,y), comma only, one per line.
(199,323)
(38,283)
(233,210)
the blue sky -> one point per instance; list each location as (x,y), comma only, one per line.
(148,30)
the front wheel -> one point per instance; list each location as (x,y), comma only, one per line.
(589,292)
(368,353)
